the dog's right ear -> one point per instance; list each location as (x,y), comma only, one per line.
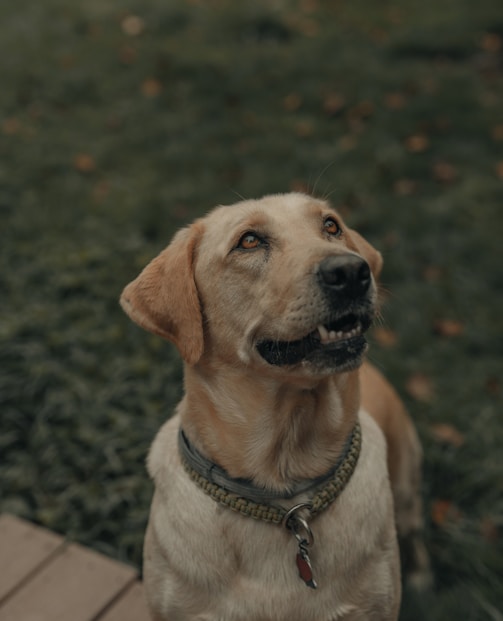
(163,298)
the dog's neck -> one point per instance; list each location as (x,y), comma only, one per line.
(269,431)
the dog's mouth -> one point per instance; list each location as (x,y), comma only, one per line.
(338,344)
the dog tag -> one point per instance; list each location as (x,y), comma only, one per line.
(304,565)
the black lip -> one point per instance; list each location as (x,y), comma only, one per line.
(340,354)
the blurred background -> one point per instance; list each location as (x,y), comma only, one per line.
(121,122)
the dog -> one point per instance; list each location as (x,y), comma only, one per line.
(290,465)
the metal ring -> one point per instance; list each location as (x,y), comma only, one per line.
(298,521)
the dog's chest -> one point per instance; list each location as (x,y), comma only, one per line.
(234,568)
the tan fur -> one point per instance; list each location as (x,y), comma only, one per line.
(271,424)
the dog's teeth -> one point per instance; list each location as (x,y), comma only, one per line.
(332,336)
(323,332)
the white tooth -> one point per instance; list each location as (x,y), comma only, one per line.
(323,332)
(332,335)
(340,334)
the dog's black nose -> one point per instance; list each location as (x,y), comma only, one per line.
(346,274)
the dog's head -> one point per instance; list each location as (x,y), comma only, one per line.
(279,284)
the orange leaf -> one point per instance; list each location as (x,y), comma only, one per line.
(133,25)
(444,172)
(489,530)
(420,387)
(385,337)
(493,386)
(404,187)
(443,511)
(292,102)
(333,103)
(497,133)
(432,273)
(491,43)
(443,432)
(151,87)
(10,126)
(417,143)
(448,327)
(395,101)
(84,163)
(127,54)
(304,129)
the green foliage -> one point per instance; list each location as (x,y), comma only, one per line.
(117,126)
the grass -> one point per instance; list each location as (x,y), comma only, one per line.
(118,126)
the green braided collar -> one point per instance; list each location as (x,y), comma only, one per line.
(244,497)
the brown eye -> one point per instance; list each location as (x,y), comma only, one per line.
(331,226)
(249,241)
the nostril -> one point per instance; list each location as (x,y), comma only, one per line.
(364,273)
(347,273)
(336,278)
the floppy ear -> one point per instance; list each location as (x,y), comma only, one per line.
(163,298)
(367,251)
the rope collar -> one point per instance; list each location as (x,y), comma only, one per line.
(242,496)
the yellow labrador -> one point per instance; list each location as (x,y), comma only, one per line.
(273,482)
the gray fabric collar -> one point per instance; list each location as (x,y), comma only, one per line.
(244,487)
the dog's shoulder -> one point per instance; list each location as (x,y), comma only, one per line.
(163,456)
(372,436)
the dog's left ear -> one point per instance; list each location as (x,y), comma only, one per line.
(163,298)
(367,251)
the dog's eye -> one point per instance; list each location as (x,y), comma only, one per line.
(331,227)
(249,241)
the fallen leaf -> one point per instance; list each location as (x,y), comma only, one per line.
(493,386)
(379,35)
(395,101)
(444,511)
(404,187)
(448,327)
(127,54)
(432,273)
(333,103)
(292,102)
(385,337)
(308,26)
(309,6)
(101,191)
(304,129)
(84,163)
(417,143)
(497,133)
(133,25)
(489,530)
(391,239)
(447,434)
(444,172)
(491,42)
(347,143)
(151,87)
(361,111)
(420,387)
(10,126)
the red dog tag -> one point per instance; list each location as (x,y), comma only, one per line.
(304,567)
